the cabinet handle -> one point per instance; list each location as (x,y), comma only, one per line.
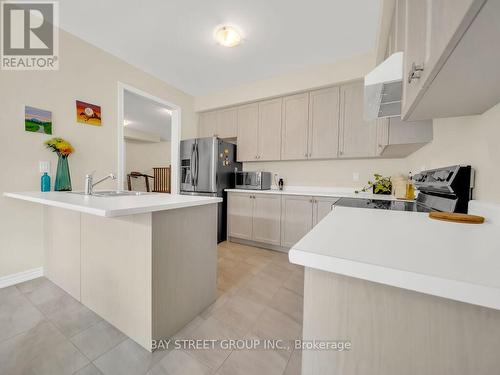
(415,72)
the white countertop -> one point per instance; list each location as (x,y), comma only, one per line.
(114,206)
(317,192)
(407,250)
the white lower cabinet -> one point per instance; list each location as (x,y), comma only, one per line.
(278,220)
(266,218)
(322,206)
(240,215)
(255,217)
(296,218)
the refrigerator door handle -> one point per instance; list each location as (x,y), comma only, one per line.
(191,164)
(197,162)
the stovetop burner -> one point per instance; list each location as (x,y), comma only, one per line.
(381,204)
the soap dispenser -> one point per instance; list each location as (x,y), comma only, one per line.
(45,179)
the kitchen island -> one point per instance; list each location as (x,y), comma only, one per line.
(147,264)
(412,295)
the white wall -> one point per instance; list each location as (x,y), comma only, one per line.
(142,157)
(86,73)
(471,140)
(315,77)
(330,173)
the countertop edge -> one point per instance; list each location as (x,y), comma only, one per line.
(332,194)
(446,288)
(108,213)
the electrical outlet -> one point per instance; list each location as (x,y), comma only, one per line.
(355,176)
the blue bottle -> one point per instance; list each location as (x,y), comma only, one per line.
(45,182)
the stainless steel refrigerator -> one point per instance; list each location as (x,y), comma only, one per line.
(207,168)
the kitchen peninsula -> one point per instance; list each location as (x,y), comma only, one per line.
(134,260)
(411,294)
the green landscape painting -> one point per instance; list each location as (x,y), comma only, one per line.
(37,120)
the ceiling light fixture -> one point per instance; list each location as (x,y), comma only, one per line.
(126,122)
(227,36)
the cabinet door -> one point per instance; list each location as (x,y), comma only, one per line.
(415,51)
(227,123)
(322,207)
(296,218)
(382,135)
(324,123)
(266,218)
(248,134)
(270,130)
(207,125)
(294,145)
(357,136)
(240,213)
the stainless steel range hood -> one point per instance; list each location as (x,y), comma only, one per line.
(384,88)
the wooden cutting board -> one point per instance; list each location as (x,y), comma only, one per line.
(456,218)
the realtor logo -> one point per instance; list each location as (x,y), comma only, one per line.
(29,35)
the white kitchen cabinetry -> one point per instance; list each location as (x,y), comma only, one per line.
(207,126)
(259,131)
(357,137)
(227,123)
(296,218)
(240,215)
(294,143)
(255,217)
(322,206)
(324,123)
(221,123)
(450,60)
(398,139)
(266,218)
(269,135)
(274,219)
(248,132)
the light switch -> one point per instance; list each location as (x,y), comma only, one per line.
(355,176)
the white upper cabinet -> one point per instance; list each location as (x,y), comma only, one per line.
(357,137)
(451,62)
(207,126)
(294,144)
(269,135)
(227,123)
(324,123)
(248,132)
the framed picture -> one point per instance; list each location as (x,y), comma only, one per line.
(87,113)
(37,120)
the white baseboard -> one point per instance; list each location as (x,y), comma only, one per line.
(19,277)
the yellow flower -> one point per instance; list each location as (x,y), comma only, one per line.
(60,146)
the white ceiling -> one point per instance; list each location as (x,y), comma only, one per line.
(172,39)
(147,116)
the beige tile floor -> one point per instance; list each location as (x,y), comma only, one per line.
(45,331)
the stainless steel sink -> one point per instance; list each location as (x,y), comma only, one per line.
(114,193)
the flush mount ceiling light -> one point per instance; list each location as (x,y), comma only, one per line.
(227,36)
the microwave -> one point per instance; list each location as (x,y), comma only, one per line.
(253,180)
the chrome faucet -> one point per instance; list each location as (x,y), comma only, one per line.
(89,182)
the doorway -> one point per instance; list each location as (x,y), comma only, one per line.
(149,131)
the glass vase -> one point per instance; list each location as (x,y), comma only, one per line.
(63,178)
